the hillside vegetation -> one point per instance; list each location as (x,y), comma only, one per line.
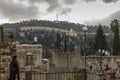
(54,24)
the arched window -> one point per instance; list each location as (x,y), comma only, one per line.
(29,59)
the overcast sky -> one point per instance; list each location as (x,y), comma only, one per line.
(78,11)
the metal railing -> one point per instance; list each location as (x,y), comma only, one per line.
(72,76)
(37,75)
(53,76)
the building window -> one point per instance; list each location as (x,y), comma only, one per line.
(29,60)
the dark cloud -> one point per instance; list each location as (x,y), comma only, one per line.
(65,11)
(53,4)
(89,0)
(35,1)
(52,8)
(109,1)
(17,11)
(70,2)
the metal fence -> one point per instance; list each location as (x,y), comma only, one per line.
(51,76)
(55,76)
(63,76)
(66,76)
(72,76)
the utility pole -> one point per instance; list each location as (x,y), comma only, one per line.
(85,28)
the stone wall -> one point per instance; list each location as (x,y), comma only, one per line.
(106,61)
(67,60)
(62,61)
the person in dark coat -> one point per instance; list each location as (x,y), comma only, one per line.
(14,69)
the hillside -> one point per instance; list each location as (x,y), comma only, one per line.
(53,24)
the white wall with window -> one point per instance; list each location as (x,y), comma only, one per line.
(29,54)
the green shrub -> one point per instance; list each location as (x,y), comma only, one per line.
(79,76)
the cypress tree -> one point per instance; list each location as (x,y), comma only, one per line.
(65,45)
(115,29)
(100,39)
(58,41)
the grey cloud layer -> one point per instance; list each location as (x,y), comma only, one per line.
(108,1)
(53,4)
(13,11)
(18,10)
(69,2)
(105,21)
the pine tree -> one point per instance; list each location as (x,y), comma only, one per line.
(100,39)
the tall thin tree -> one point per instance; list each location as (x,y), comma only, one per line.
(58,41)
(100,39)
(115,29)
(65,44)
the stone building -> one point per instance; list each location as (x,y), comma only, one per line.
(29,59)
